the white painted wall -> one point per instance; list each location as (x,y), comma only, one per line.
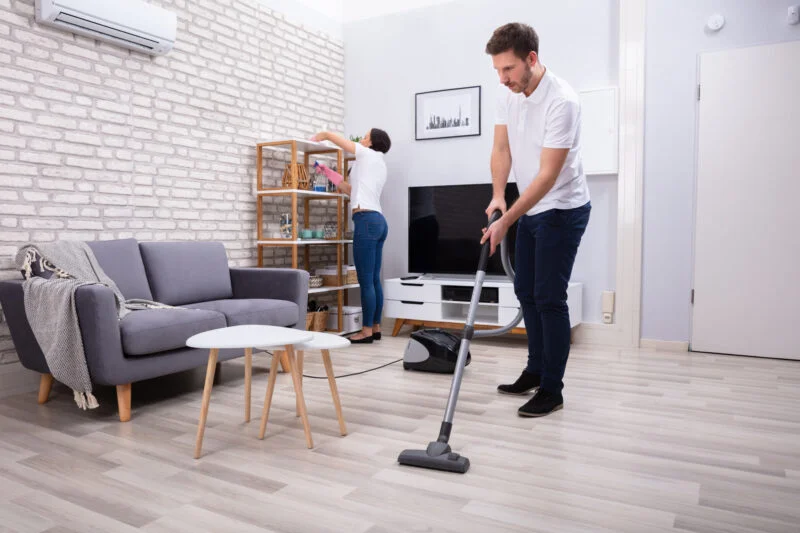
(386,63)
(325,16)
(675,37)
(329,16)
(364,9)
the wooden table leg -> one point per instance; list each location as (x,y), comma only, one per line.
(299,359)
(298,390)
(284,361)
(326,359)
(212,365)
(398,324)
(248,381)
(273,374)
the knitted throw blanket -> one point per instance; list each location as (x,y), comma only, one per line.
(53,272)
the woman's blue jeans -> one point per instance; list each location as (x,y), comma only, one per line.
(369,234)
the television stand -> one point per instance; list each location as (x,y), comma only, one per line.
(443,301)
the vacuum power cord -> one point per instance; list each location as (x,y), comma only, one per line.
(352,374)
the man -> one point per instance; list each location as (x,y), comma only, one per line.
(537,133)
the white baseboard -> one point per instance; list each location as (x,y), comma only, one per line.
(664,346)
(600,334)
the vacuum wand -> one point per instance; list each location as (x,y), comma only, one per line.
(466,337)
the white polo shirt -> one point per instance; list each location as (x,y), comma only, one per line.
(549,118)
(367,179)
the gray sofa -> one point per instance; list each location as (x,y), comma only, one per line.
(151,343)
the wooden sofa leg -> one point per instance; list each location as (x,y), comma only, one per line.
(45,384)
(124,402)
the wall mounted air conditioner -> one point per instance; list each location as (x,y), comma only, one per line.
(134,24)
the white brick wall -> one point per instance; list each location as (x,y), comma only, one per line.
(98,142)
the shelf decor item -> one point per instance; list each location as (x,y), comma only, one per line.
(303,181)
(320,181)
(329,230)
(286,225)
(352,277)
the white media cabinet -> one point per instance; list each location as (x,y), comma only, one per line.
(443,301)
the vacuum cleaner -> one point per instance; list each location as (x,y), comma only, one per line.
(433,350)
(438,455)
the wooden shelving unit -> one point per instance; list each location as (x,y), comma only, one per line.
(345,171)
(293,173)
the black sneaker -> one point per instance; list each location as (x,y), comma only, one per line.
(525,383)
(543,403)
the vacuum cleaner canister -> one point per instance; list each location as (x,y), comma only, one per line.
(433,350)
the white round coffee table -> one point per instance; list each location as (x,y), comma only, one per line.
(247,337)
(324,342)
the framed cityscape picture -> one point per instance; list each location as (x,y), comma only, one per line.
(448,113)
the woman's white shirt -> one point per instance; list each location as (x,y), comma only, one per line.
(367,179)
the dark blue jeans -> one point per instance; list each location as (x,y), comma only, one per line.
(369,234)
(546,246)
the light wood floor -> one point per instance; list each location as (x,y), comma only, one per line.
(648,441)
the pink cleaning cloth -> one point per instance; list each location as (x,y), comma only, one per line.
(335,177)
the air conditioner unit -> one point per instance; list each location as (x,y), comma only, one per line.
(134,24)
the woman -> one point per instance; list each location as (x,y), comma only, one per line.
(369,225)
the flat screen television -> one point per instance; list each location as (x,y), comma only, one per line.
(444,228)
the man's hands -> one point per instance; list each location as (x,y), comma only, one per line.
(496,232)
(495,204)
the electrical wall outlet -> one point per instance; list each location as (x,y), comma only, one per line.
(608,307)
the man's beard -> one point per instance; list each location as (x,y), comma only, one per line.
(523,83)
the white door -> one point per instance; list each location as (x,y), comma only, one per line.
(747,226)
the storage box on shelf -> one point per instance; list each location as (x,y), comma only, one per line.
(444,301)
(332,274)
(351,318)
(296,184)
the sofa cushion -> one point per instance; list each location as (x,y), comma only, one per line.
(151,331)
(187,272)
(254,311)
(121,260)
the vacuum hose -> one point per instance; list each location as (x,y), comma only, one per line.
(509,270)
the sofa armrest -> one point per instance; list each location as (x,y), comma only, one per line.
(12,300)
(97,318)
(102,342)
(274,283)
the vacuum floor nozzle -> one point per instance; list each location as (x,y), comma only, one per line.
(437,457)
